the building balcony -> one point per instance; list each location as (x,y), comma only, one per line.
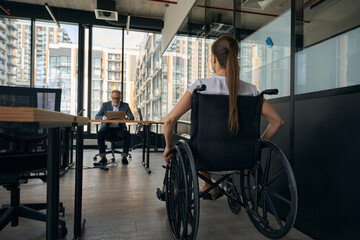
(11,72)
(63,64)
(2,46)
(11,44)
(2,67)
(2,36)
(11,24)
(2,26)
(11,34)
(11,64)
(2,56)
(11,54)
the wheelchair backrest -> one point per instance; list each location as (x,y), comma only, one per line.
(213,146)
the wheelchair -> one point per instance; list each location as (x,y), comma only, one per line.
(267,190)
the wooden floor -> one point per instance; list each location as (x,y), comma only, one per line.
(122,204)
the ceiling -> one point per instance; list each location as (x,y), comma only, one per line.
(154,9)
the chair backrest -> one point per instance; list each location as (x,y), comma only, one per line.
(12,134)
(44,98)
(213,146)
(139,125)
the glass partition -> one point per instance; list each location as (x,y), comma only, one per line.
(327,57)
(265,56)
(333,63)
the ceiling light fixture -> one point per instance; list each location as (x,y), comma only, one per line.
(52,15)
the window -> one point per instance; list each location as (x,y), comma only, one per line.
(106,46)
(14,46)
(61,61)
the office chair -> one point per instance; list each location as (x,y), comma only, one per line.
(112,140)
(19,163)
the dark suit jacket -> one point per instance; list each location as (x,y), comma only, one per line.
(107,106)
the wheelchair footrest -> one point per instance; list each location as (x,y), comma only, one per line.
(160,194)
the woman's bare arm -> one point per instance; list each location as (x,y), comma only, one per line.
(274,119)
(180,109)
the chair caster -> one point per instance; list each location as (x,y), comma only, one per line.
(62,209)
(160,194)
(113,159)
(94,158)
(63,232)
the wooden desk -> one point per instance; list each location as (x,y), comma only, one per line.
(146,134)
(53,121)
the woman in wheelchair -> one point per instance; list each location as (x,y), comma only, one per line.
(224,63)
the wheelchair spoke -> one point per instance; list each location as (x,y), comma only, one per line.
(267,168)
(275,194)
(264,206)
(275,178)
(273,210)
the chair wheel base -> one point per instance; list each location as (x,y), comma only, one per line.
(63,232)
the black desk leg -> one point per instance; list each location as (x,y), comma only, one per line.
(143,145)
(65,162)
(79,223)
(156,139)
(52,196)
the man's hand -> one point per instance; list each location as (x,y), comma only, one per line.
(105,118)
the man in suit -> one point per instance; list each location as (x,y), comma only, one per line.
(113,129)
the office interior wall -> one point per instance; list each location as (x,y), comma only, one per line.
(327,166)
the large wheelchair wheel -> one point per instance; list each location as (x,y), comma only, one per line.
(269,192)
(182,193)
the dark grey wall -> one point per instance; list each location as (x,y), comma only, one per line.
(327,166)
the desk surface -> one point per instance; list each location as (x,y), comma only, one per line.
(28,114)
(81,120)
(121,121)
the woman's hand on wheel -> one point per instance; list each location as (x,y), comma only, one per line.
(167,155)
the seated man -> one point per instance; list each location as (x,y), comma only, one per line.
(113,129)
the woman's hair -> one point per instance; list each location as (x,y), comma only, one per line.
(226,50)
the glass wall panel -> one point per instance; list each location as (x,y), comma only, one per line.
(333,63)
(15,47)
(265,56)
(328,46)
(150,78)
(106,55)
(56,61)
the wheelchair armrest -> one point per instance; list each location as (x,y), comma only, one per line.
(269,92)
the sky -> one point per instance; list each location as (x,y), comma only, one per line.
(108,37)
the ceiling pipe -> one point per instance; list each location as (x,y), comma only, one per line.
(163,1)
(52,15)
(241,11)
(7,11)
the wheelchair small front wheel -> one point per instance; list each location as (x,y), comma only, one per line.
(234,206)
